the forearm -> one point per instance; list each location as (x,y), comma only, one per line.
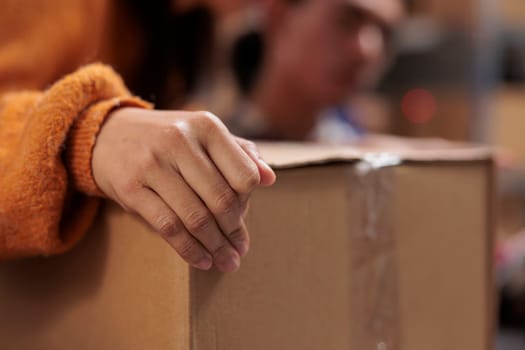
(39,182)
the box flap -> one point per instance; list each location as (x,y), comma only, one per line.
(378,150)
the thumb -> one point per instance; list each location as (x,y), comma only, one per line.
(266,173)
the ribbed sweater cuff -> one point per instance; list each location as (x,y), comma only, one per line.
(82,138)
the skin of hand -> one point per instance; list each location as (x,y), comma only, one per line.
(186,176)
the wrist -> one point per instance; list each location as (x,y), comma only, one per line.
(82,139)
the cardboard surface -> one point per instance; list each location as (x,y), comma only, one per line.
(344,255)
(285,155)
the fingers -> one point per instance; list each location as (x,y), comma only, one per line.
(198,180)
(201,175)
(151,208)
(239,170)
(224,174)
(197,219)
(266,173)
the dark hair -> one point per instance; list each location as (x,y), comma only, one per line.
(248,54)
(409,5)
(246,60)
(176,48)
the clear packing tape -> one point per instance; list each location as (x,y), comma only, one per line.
(375,306)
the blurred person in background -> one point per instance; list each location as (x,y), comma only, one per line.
(71,132)
(297,70)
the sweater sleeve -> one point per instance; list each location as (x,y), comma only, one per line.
(46,143)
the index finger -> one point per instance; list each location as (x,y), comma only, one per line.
(238,168)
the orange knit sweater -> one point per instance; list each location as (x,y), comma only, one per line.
(49,123)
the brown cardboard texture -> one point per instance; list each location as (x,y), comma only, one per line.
(382,246)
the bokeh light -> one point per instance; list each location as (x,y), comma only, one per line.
(419,106)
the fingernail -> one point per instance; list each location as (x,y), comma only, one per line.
(204,264)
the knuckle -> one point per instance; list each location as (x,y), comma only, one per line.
(222,248)
(175,132)
(248,144)
(148,161)
(127,189)
(237,235)
(178,139)
(248,181)
(226,202)
(167,225)
(198,221)
(188,249)
(208,121)
(210,117)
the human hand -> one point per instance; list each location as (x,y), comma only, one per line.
(186,176)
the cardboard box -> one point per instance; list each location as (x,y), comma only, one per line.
(377,247)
